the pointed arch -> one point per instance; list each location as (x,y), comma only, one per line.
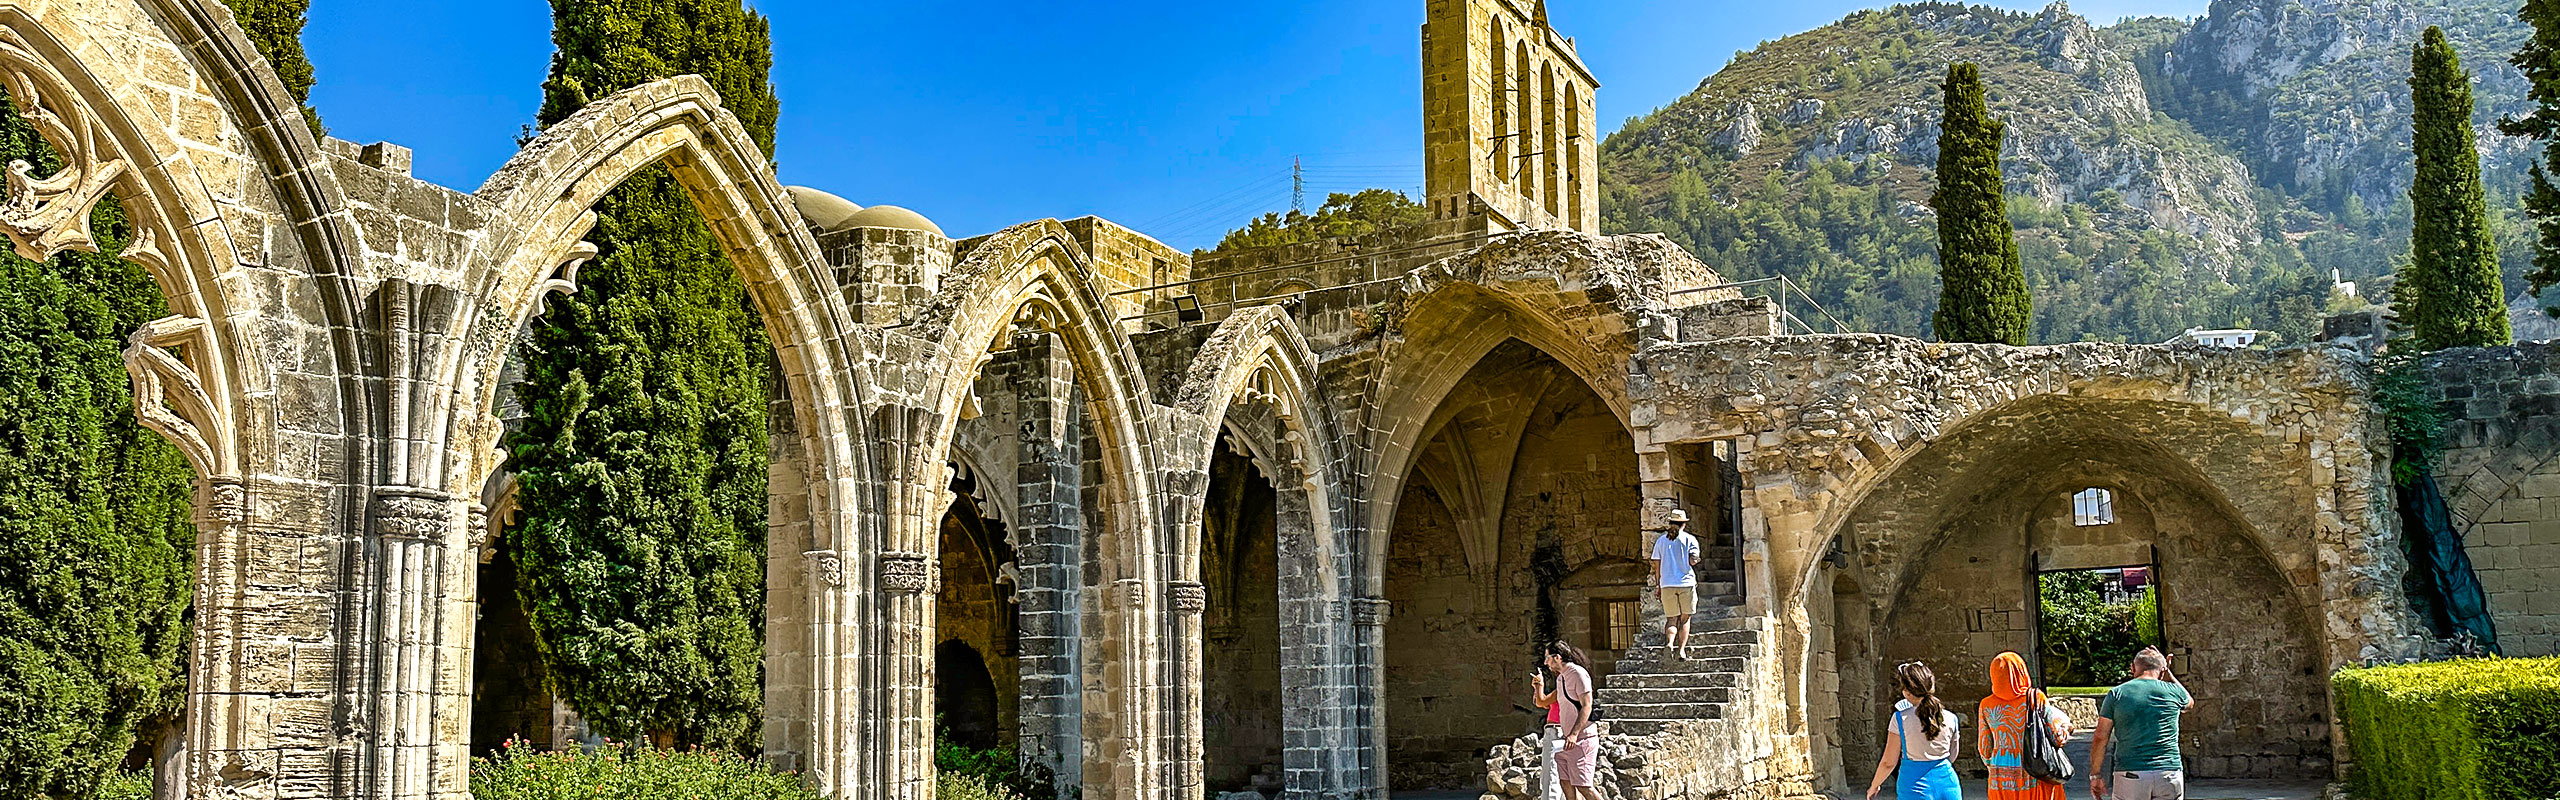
(1034,278)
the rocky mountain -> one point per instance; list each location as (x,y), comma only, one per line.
(2163,173)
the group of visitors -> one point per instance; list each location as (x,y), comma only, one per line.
(2139,718)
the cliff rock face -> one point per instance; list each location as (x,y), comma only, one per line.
(2315,93)
(2163,173)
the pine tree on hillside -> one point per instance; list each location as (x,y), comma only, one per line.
(642,458)
(97,539)
(2448,293)
(1982,292)
(275,27)
(2539,60)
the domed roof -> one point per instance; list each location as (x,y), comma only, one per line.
(892,217)
(825,211)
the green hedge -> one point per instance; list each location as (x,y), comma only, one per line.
(630,773)
(2485,729)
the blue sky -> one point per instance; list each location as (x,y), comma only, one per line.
(1179,117)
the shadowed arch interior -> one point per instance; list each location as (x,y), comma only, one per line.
(1524,476)
(1941,556)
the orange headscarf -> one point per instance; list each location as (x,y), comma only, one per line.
(2009,679)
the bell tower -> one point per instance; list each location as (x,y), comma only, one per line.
(1508,122)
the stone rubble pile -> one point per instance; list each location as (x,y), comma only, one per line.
(1511,771)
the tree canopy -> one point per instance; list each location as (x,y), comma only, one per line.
(642,456)
(1357,214)
(1982,292)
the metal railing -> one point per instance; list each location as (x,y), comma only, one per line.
(1784,287)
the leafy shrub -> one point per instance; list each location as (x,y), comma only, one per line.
(2086,640)
(997,769)
(2481,729)
(957,786)
(630,773)
(126,785)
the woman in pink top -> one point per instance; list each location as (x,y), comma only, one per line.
(1578,761)
(1550,737)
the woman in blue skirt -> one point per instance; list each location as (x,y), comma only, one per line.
(1921,745)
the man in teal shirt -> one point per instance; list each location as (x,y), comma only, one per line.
(2141,716)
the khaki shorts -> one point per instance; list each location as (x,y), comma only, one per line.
(1679,601)
(2165,784)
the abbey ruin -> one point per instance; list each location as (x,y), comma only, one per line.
(1284,520)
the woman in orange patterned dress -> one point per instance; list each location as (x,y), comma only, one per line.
(2013,707)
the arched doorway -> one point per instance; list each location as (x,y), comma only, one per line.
(965,696)
(1951,543)
(1240,560)
(974,616)
(1523,478)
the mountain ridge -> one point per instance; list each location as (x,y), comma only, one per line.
(2163,173)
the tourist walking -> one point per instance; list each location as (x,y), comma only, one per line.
(2140,717)
(2014,711)
(1577,761)
(1550,737)
(1675,573)
(1920,744)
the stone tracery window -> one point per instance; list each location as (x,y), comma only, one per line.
(2093,506)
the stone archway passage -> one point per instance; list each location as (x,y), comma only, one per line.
(1953,539)
(974,615)
(1241,702)
(1524,478)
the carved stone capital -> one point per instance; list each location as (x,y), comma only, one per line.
(825,567)
(410,513)
(226,502)
(1369,612)
(476,532)
(1187,597)
(905,573)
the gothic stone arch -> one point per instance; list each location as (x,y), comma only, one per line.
(1253,379)
(1032,280)
(1821,421)
(164,105)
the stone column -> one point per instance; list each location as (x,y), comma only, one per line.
(1048,487)
(1188,600)
(1368,718)
(906,583)
(406,581)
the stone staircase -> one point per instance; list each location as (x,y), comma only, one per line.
(1653,691)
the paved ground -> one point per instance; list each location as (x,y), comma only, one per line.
(2199,790)
(2079,749)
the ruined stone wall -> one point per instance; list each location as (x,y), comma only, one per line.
(1125,260)
(2500,473)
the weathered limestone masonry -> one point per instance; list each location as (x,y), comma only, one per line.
(2501,475)
(1466,435)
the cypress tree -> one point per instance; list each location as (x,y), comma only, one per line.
(1982,292)
(2449,291)
(96,541)
(2539,60)
(642,457)
(275,27)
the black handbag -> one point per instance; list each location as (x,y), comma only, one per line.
(2042,758)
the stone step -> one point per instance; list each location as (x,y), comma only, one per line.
(1699,656)
(1669,680)
(1737,623)
(1667,696)
(1623,713)
(1677,667)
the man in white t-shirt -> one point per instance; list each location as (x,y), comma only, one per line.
(1675,571)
